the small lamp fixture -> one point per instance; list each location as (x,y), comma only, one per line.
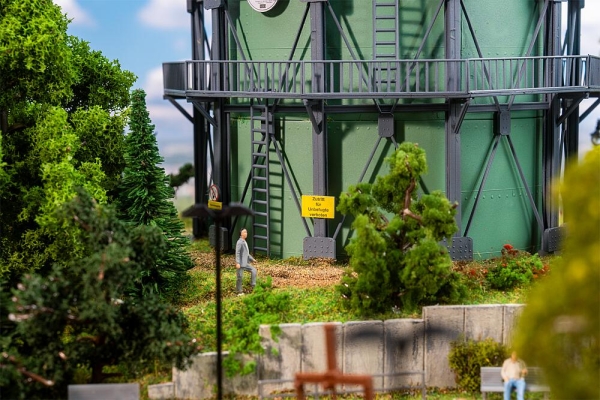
(596,135)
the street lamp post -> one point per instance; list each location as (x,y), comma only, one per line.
(202,211)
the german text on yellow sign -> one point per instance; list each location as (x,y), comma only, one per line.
(318,206)
(215,205)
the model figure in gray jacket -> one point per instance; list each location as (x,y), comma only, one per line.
(242,262)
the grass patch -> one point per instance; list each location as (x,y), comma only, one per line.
(311,303)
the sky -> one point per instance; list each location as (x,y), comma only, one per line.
(142,34)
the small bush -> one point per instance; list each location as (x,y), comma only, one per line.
(467,357)
(263,306)
(514,268)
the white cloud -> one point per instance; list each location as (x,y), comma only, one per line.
(153,85)
(165,14)
(75,12)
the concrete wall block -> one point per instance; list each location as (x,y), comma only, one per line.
(246,385)
(484,321)
(512,312)
(363,350)
(199,381)
(443,324)
(282,357)
(161,391)
(314,352)
(404,349)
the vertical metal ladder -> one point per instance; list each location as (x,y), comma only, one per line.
(261,128)
(385,42)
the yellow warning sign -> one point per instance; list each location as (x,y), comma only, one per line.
(318,206)
(215,205)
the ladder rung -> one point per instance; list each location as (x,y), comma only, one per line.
(259,178)
(384,17)
(386,43)
(260,248)
(385,30)
(259,201)
(261,214)
(259,154)
(259,190)
(259,130)
(258,225)
(263,237)
(259,166)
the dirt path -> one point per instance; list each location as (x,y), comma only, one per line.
(301,274)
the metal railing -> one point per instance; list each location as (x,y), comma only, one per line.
(336,79)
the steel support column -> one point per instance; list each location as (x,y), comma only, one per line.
(319,245)
(461,248)
(573,48)
(200,128)
(452,42)
(551,153)
(221,169)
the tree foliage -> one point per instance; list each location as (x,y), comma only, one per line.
(62,116)
(82,314)
(35,59)
(182,177)
(397,261)
(559,329)
(145,199)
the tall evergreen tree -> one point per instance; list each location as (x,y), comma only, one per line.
(145,199)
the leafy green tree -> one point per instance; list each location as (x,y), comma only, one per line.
(559,329)
(145,199)
(182,177)
(81,316)
(395,256)
(54,142)
(42,69)
(35,59)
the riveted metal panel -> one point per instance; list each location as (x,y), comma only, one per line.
(319,247)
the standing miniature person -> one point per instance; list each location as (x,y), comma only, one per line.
(513,375)
(242,262)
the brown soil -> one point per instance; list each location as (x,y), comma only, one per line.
(297,273)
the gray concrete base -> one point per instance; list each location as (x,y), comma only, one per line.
(161,391)
(365,347)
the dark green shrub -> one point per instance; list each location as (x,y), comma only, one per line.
(513,269)
(467,357)
(396,260)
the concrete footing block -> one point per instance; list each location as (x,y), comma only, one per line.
(199,381)
(443,324)
(404,349)
(363,350)
(314,350)
(484,321)
(282,357)
(161,391)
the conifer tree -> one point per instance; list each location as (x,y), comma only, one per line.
(145,199)
(82,317)
(395,256)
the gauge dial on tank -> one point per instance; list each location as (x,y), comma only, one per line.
(262,5)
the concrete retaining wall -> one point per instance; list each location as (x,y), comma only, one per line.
(365,347)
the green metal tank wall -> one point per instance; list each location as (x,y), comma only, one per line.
(503,215)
